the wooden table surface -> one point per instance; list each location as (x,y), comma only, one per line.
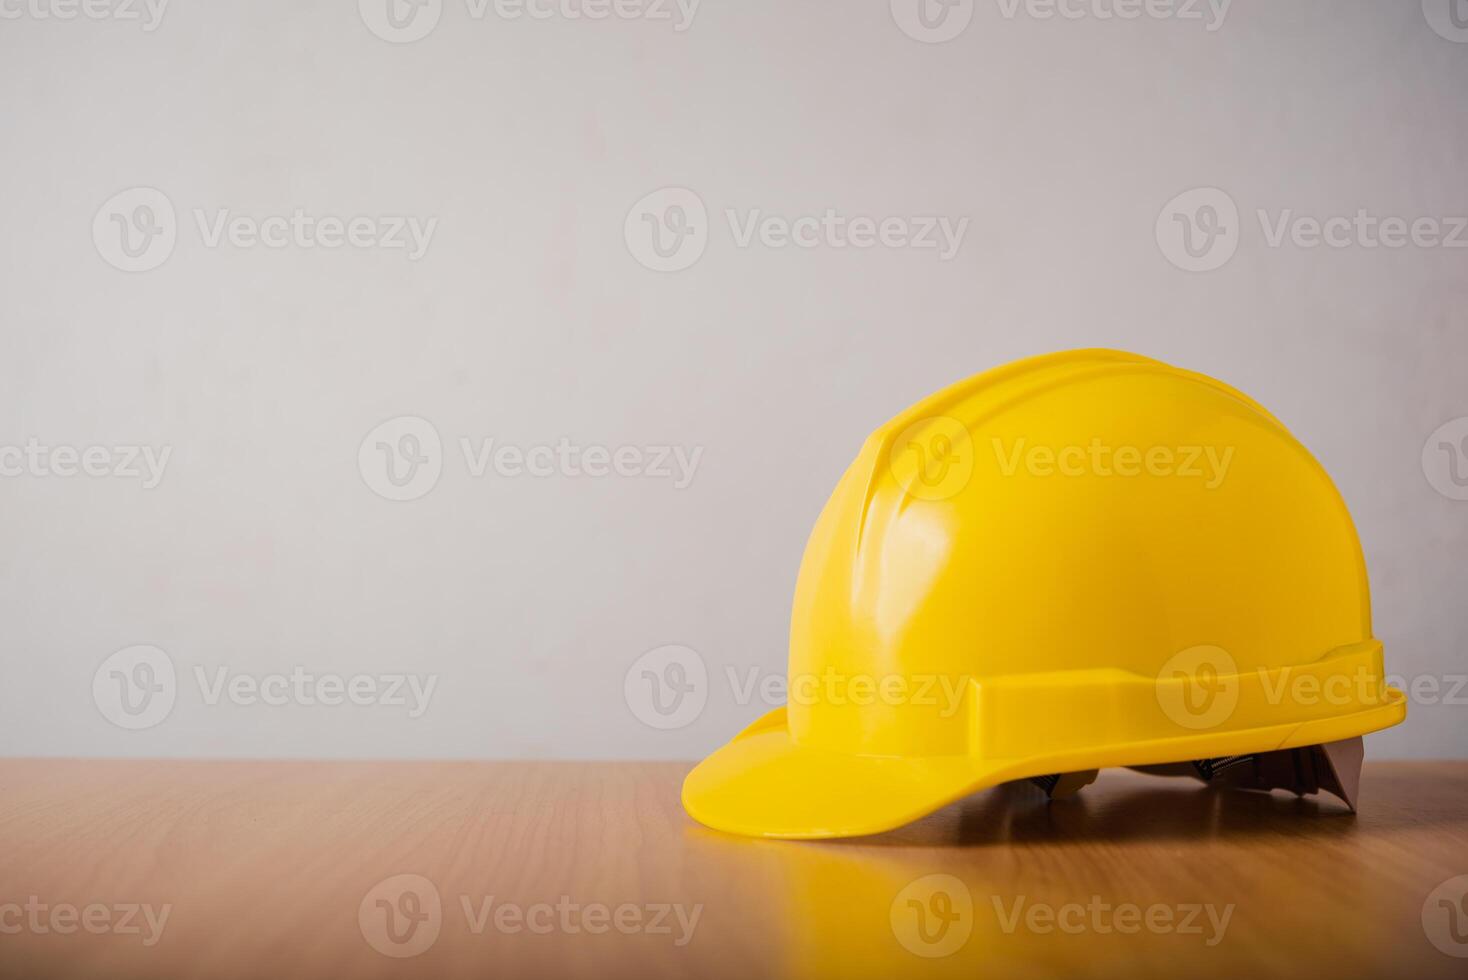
(284,869)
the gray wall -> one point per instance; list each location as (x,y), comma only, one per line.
(537,313)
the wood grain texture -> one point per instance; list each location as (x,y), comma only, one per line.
(265,867)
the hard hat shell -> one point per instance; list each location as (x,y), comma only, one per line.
(1075,561)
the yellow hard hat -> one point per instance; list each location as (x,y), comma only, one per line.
(1074,561)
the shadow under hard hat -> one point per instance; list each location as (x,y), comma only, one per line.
(1333,768)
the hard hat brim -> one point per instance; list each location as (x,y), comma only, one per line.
(762,784)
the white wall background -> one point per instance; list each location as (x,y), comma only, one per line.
(529,320)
